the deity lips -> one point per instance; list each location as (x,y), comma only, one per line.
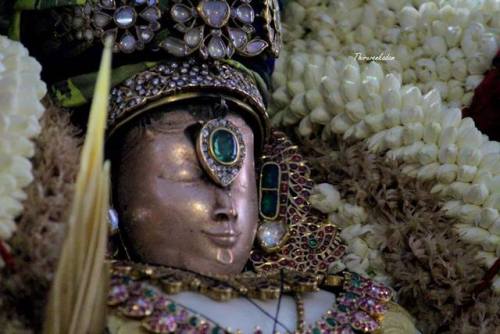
(223,237)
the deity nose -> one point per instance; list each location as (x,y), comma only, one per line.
(224,207)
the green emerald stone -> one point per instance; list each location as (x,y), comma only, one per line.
(269,203)
(356,281)
(316,330)
(194,321)
(149,293)
(312,242)
(331,322)
(224,146)
(350,295)
(270,175)
(172,307)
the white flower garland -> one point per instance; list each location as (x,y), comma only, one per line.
(396,107)
(363,255)
(20,92)
(443,44)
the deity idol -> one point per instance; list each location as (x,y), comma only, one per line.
(212,229)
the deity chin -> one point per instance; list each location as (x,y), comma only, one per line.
(171,212)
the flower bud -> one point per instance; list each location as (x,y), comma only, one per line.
(466,173)
(476,194)
(447,173)
(325,198)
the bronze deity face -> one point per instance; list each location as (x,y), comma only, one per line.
(171,212)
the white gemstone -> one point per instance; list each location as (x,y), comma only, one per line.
(180,13)
(151,14)
(216,47)
(174,46)
(238,37)
(245,14)
(109,4)
(194,36)
(145,33)
(125,17)
(214,13)
(127,43)
(101,19)
(270,234)
(255,46)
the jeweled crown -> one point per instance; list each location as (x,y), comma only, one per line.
(165,51)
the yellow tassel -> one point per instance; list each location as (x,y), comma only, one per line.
(77,298)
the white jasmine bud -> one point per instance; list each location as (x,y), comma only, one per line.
(280,98)
(447,173)
(296,69)
(375,122)
(296,88)
(305,127)
(409,76)
(493,201)
(451,118)
(376,142)
(435,46)
(325,197)
(468,155)
(374,104)
(370,86)
(459,70)
(350,90)
(410,153)
(428,172)
(448,154)
(469,137)
(392,117)
(490,163)
(355,110)
(313,99)
(340,123)
(320,116)
(412,133)
(443,68)
(298,105)
(452,35)
(431,133)
(455,54)
(476,194)
(466,173)
(428,154)
(474,235)
(412,114)
(473,81)
(429,12)
(495,227)
(392,99)
(394,137)
(448,136)
(426,69)
(488,217)
(489,147)
(467,98)
(409,18)
(438,29)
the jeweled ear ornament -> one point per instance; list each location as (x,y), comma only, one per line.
(221,150)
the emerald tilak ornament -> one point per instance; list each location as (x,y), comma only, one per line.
(221,150)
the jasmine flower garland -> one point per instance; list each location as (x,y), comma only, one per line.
(21,109)
(407,108)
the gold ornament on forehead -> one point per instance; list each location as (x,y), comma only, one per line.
(221,150)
